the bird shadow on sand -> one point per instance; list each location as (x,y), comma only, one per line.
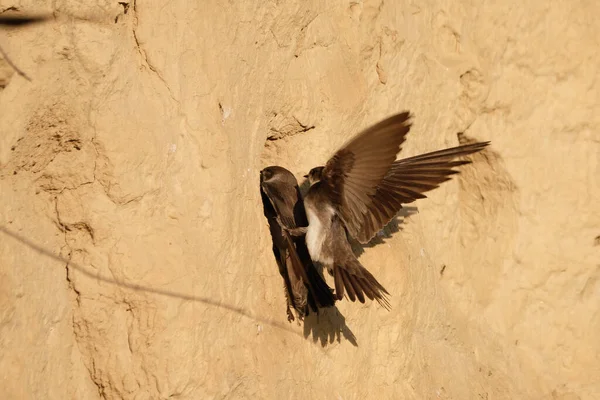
(388,231)
(328,327)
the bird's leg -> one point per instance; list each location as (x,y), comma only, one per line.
(297,232)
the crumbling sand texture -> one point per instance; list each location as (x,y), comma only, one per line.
(134,153)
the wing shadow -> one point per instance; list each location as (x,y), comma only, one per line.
(327,327)
(394,226)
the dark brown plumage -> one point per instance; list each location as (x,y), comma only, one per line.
(406,181)
(360,189)
(305,289)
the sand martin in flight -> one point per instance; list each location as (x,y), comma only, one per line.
(359,190)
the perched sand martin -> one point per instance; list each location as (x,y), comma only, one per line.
(305,289)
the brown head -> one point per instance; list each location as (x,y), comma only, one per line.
(314,175)
(275,173)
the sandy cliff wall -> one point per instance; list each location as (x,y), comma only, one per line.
(135,150)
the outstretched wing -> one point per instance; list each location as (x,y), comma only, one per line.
(354,173)
(406,182)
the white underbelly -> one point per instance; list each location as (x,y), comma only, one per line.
(317,233)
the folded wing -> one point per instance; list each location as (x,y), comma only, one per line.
(283,198)
(300,269)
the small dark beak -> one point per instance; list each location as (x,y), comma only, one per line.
(306,176)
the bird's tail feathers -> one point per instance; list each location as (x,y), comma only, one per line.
(357,282)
